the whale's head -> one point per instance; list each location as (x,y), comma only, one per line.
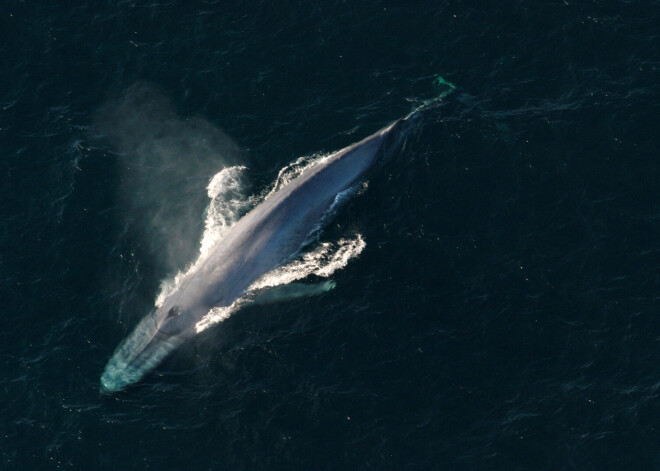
(155,337)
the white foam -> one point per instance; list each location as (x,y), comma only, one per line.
(227,205)
(218,314)
(294,169)
(323,261)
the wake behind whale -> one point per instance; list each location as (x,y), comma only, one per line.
(252,254)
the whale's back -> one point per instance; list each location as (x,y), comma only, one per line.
(268,235)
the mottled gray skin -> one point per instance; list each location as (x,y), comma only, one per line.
(263,239)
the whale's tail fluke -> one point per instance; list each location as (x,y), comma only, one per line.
(399,131)
(444,87)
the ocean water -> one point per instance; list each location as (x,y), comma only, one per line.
(502,313)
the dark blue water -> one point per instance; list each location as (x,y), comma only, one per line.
(504,314)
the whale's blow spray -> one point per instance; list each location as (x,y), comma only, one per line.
(164,163)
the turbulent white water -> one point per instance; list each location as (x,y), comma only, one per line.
(323,261)
(228,204)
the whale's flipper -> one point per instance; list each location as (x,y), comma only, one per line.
(291,291)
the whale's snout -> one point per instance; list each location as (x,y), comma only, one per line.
(140,352)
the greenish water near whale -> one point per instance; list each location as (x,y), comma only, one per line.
(502,314)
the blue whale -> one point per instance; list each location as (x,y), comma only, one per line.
(259,242)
